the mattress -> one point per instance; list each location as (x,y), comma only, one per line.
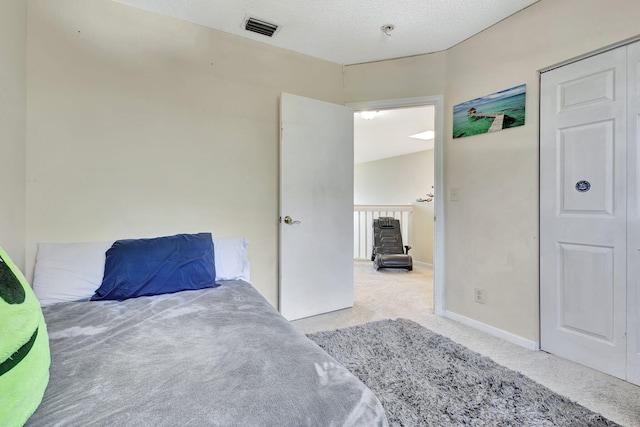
(219,357)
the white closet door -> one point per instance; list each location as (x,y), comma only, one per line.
(633,217)
(583,243)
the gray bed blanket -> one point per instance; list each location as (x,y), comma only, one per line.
(214,357)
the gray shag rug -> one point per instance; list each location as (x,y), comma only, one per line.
(425,379)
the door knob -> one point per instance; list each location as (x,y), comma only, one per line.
(288,220)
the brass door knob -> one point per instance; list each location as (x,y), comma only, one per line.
(288,220)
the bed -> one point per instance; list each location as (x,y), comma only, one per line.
(220,356)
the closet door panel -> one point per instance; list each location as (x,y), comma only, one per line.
(633,216)
(583,246)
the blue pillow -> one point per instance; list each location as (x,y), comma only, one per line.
(162,265)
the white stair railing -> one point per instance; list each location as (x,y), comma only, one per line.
(363,216)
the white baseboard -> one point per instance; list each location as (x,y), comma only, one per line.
(423,264)
(417,263)
(491,330)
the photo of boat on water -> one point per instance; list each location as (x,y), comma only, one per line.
(491,113)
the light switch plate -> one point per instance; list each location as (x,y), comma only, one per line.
(453,194)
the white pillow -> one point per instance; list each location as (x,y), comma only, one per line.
(73,271)
(231,258)
(68,271)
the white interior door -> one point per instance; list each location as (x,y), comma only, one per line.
(583,245)
(316,192)
(633,216)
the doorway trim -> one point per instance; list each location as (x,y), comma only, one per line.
(438,164)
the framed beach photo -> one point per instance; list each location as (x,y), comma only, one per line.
(491,113)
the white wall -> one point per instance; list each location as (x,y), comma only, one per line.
(137,124)
(492,231)
(400,181)
(13,33)
(421,75)
(142,125)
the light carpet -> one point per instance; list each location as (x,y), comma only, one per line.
(425,379)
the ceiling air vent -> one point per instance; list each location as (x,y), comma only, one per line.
(260,27)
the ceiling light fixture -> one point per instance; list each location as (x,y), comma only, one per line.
(387,28)
(368,115)
(426,135)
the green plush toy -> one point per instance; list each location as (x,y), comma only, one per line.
(24,347)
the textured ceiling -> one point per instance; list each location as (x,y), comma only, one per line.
(347,31)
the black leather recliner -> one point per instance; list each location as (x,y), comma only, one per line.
(388,251)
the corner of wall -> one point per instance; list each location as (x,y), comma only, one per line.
(13,46)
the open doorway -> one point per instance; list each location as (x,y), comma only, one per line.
(398,163)
(394,176)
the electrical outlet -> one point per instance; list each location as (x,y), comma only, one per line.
(479,295)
